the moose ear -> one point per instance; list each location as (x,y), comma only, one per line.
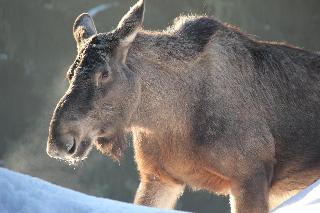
(128,27)
(83,28)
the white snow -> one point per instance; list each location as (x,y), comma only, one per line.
(21,193)
(308,201)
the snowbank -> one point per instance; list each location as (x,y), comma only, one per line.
(21,193)
(307,201)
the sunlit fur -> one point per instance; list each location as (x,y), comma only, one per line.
(208,107)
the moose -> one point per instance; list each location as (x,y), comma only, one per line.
(208,107)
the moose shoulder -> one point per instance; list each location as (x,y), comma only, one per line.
(208,107)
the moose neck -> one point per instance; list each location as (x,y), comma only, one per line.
(163,76)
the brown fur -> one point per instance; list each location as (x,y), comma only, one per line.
(208,107)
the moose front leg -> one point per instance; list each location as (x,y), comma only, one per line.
(157,193)
(250,195)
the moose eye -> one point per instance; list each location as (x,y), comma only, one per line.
(104,75)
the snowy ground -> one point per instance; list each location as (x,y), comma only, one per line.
(21,193)
(307,201)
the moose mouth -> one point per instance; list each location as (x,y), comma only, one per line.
(111,144)
(79,151)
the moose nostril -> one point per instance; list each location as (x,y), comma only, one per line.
(71,147)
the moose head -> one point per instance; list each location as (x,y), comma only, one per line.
(103,92)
